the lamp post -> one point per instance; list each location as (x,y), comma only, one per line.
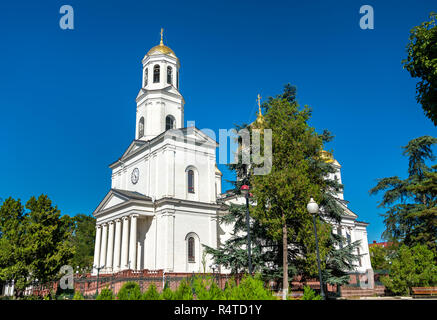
(245,192)
(313,208)
(98,273)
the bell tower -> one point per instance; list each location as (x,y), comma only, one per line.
(160,106)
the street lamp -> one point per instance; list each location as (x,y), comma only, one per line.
(98,273)
(245,192)
(313,208)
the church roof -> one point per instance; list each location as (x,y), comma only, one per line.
(131,194)
(124,197)
(161,48)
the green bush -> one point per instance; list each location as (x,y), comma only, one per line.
(207,289)
(310,294)
(32,297)
(411,267)
(129,291)
(250,288)
(78,296)
(184,291)
(106,294)
(168,294)
(151,293)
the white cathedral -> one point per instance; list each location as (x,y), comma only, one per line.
(165,196)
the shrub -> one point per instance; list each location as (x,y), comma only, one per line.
(250,288)
(200,286)
(206,289)
(310,294)
(229,289)
(411,267)
(129,291)
(78,296)
(168,294)
(151,293)
(214,292)
(184,291)
(106,294)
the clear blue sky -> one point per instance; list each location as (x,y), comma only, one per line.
(67,97)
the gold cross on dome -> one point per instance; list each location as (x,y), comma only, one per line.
(259,102)
(162,33)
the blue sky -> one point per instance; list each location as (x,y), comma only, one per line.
(67,97)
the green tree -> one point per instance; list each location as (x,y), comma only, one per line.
(266,229)
(78,296)
(168,294)
(298,173)
(412,267)
(12,244)
(47,235)
(250,288)
(106,294)
(184,291)
(411,203)
(422,63)
(129,291)
(34,242)
(151,293)
(381,257)
(310,294)
(82,239)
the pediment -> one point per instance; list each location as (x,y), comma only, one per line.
(346,211)
(199,136)
(116,197)
(134,146)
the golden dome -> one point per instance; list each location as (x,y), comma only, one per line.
(326,156)
(161,48)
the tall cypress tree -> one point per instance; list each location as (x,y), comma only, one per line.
(411,203)
(278,212)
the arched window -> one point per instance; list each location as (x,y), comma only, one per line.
(141,128)
(169,75)
(169,123)
(156,73)
(190,176)
(146,77)
(191,249)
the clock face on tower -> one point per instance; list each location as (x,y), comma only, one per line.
(135,175)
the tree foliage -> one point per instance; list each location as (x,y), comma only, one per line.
(151,293)
(298,172)
(411,267)
(82,239)
(422,63)
(129,291)
(381,257)
(411,203)
(106,294)
(34,243)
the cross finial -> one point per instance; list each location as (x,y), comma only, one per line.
(259,102)
(162,34)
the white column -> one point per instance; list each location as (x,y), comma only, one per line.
(97,246)
(125,244)
(139,255)
(110,254)
(104,244)
(117,245)
(133,242)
